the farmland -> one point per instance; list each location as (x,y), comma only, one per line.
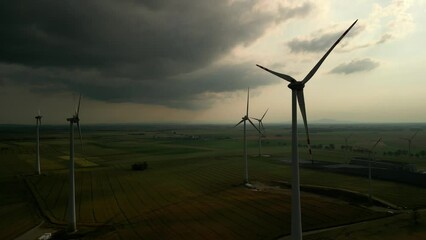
(192,187)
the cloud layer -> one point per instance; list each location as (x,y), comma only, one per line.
(354,66)
(156,52)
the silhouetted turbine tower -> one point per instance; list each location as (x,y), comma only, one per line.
(297,95)
(369,169)
(72,226)
(347,148)
(38,123)
(244,119)
(409,140)
(260,124)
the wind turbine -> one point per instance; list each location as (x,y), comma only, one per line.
(244,119)
(260,124)
(347,148)
(72,226)
(409,140)
(38,123)
(297,95)
(369,169)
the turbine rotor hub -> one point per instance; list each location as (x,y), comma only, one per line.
(296,85)
(73,119)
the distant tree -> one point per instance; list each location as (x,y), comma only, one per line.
(139,166)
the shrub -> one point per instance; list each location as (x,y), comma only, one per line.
(139,166)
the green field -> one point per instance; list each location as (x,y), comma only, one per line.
(193,188)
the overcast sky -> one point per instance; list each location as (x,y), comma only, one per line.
(192,61)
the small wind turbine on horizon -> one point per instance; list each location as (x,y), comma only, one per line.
(72,225)
(38,123)
(260,126)
(369,169)
(410,140)
(347,148)
(297,96)
(243,120)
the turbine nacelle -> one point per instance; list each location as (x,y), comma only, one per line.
(74,119)
(296,85)
(38,117)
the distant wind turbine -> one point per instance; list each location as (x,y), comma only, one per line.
(72,225)
(260,126)
(38,123)
(297,95)
(410,140)
(369,169)
(244,119)
(347,148)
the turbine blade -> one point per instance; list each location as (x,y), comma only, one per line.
(314,70)
(414,135)
(301,100)
(239,122)
(248,99)
(264,114)
(78,108)
(380,139)
(254,126)
(79,133)
(257,119)
(280,75)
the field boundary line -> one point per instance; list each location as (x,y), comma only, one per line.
(42,209)
(322,191)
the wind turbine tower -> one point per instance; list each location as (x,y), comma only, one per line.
(347,148)
(297,96)
(260,126)
(38,123)
(369,170)
(243,120)
(410,140)
(72,225)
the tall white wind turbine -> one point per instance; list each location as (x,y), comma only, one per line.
(410,140)
(297,95)
(38,123)
(243,120)
(72,225)
(260,126)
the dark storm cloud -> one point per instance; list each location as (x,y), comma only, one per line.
(317,44)
(130,51)
(180,91)
(355,66)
